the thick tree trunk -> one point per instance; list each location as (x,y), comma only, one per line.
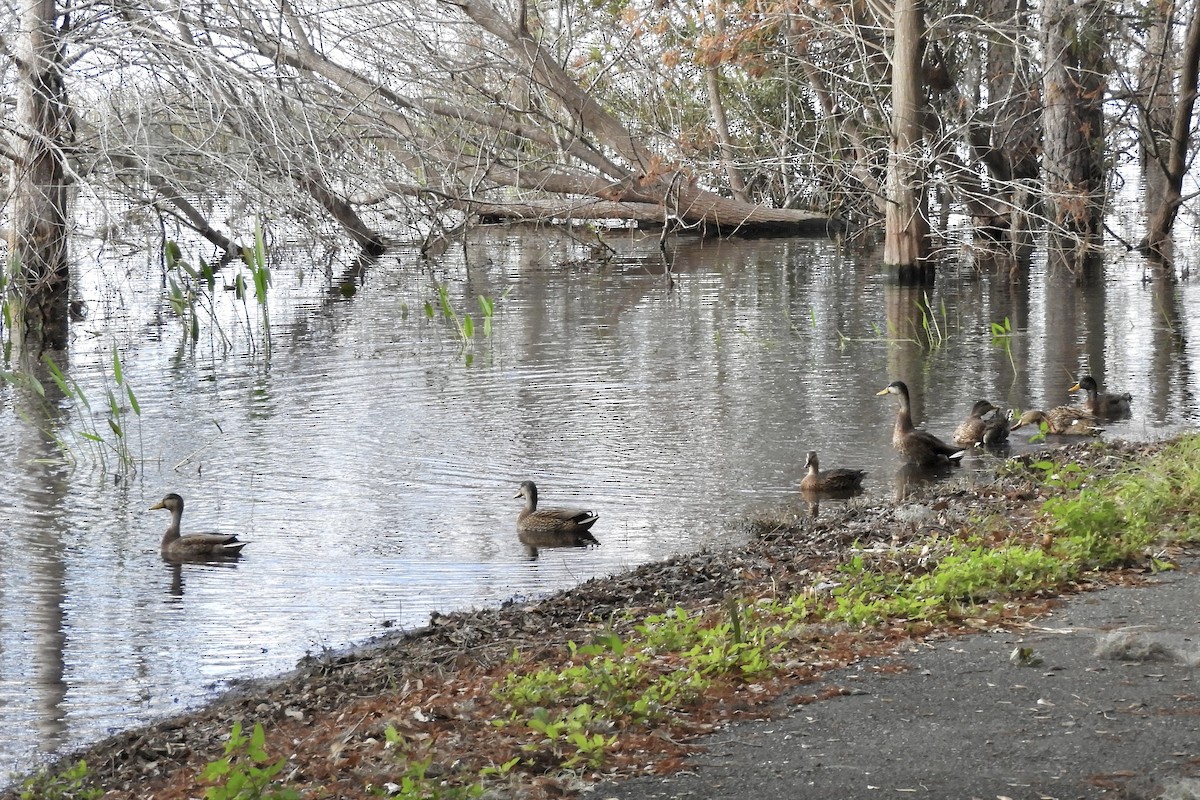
(1073,87)
(38,272)
(1155,73)
(906,235)
(766,220)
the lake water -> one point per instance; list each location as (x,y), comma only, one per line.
(370,453)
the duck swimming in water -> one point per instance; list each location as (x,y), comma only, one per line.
(917,446)
(193,546)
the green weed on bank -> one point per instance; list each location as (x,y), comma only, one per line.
(1127,516)
(668,661)
(73,783)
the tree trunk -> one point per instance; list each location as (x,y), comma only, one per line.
(1162,215)
(906,234)
(1155,73)
(1073,87)
(1014,135)
(716,107)
(38,272)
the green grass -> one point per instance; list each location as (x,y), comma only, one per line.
(1128,516)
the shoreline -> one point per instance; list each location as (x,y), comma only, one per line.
(325,715)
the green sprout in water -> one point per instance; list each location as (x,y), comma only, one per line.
(255,258)
(121,402)
(464,324)
(1002,337)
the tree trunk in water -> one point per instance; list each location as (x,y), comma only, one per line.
(906,234)
(1013,138)
(38,273)
(1162,215)
(1155,73)
(1073,128)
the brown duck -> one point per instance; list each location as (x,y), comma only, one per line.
(976,429)
(917,446)
(193,546)
(1102,404)
(549,523)
(1062,421)
(831,480)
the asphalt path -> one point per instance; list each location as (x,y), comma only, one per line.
(1101,698)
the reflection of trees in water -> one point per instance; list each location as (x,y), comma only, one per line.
(1169,369)
(42,488)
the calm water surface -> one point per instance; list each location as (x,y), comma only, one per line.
(371,458)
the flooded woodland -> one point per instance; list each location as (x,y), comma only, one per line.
(368,440)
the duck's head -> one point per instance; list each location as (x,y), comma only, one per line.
(171,502)
(1031,417)
(811,460)
(1087,383)
(981,408)
(895,387)
(527,490)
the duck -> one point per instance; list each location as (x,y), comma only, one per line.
(554,523)
(975,428)
(917,446)
(831,480)
(996,432)
(193,546)
(1061,421)
(1102,404)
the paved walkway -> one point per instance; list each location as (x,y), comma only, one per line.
(1110,708)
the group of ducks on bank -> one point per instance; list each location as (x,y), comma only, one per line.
(922,449)
(551,527)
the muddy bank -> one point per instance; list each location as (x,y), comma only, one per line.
(329,716)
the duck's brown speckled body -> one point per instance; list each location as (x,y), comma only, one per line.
(1103,404)
(978,429)
(1062,421)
